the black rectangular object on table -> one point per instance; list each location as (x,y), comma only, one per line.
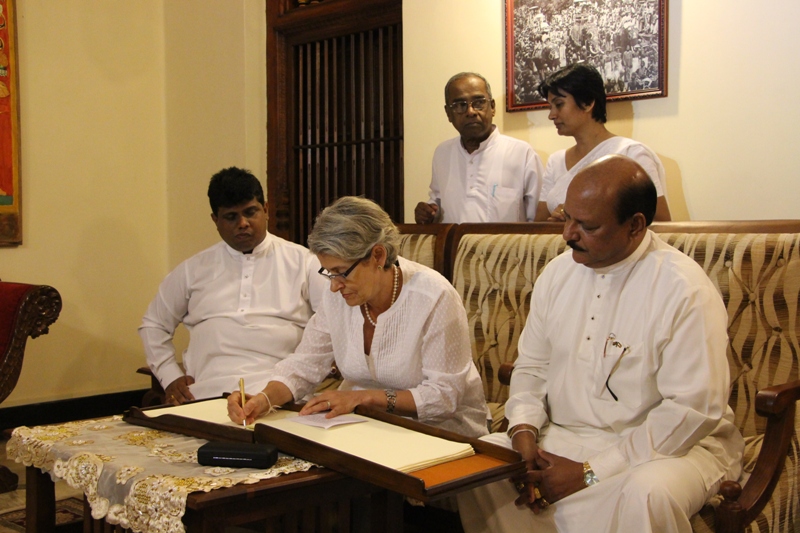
(237,454)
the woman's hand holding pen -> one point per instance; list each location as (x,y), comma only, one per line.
(254,406)
(274,395)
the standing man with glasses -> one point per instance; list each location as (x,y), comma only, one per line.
(618,399)
(482,175)
(245,300)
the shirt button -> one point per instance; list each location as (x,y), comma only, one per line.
(598,296)
(241,310)
(247,277)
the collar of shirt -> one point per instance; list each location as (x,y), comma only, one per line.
(629,261)
(484,145)
(260,250)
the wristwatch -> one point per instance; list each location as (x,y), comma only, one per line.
(589,477)
(391,398)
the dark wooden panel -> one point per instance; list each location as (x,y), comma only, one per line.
(334,109)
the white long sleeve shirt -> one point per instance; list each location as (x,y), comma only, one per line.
(498,182)
(420,344)
(244,313)
(666,363)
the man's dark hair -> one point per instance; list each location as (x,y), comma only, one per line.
(232,186)
(583,82)
(637,196)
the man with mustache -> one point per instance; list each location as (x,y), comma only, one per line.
(245,301)
(618,399)
(480,176)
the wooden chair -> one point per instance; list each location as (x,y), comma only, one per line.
(25,311)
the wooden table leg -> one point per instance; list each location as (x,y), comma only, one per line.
(40,502)
(387,512)
(8,480)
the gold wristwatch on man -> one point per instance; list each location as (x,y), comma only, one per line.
(589,477)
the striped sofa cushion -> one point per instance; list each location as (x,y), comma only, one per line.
(418,247)
(494,274)
(758,276)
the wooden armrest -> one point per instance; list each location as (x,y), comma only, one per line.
(155,396)
(504,373)
(741,505)
(776,399)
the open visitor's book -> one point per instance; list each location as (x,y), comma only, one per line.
(393,452)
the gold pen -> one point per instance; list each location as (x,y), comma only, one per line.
(241,392)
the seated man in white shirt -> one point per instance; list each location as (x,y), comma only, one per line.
(245,301)
(481,175)
(619,396)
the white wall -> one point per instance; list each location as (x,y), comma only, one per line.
(725,159)
(127,109)
(216,114)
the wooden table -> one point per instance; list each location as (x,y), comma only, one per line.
(353,494)
(318,500)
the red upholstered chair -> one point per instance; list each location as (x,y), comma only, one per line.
(25,311)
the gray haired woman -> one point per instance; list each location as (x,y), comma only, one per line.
(396,330)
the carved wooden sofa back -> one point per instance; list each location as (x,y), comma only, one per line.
(25,311)
(425,244)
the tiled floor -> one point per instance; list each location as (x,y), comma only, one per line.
(11,501)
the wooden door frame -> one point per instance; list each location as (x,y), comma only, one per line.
(288,26)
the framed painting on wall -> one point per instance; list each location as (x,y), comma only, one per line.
(626,40)
(10,221)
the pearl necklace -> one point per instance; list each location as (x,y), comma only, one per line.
(394,297)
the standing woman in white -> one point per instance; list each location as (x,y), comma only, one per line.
(577,99)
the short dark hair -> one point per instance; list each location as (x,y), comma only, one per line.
(637,196)
(460,75)
(233,186)
(583,82)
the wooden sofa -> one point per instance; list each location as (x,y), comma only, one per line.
(756,267)
(25,311)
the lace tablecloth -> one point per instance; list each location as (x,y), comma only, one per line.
(132,476)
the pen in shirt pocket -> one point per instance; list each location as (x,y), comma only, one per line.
(494,188)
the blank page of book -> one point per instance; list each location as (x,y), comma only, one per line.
(214,411)
(379,442)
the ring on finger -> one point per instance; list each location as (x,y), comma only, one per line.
(329,405)
(536,494)
(544,503)
(519,486)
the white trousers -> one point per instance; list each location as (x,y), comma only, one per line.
(658,496)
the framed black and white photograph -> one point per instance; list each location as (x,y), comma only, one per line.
(626,40)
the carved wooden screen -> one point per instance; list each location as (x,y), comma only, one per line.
(341,112)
